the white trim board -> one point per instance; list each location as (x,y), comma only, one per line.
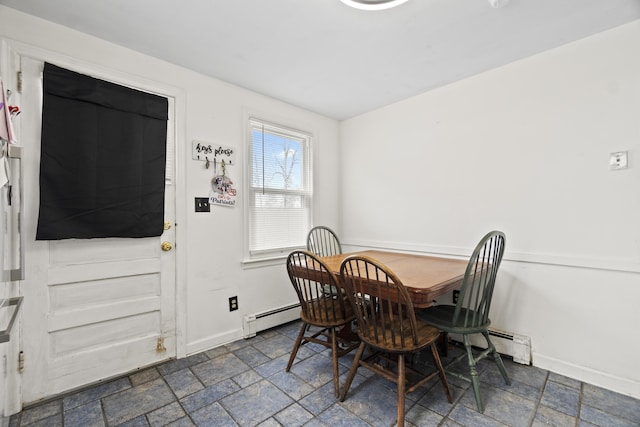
(590,376)
(213,341)
(566,260)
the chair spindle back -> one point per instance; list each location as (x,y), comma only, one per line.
(318,290)
(384,310)
(322,241)
(479,280)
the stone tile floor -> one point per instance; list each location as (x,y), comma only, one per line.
(245,384)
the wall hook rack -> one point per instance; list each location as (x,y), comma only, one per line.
(209,152)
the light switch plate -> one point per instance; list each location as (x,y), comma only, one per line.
(202,204)
(618,160)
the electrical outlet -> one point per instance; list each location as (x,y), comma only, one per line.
(233,303)
(456,294)
(202,204)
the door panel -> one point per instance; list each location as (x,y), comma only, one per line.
(93,308)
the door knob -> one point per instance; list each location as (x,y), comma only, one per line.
(166,246)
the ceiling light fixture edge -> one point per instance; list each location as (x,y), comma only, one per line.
(373,4)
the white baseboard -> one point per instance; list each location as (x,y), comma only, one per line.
(251,325)
(213,341)
(620,385)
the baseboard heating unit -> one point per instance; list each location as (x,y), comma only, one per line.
(515,345)
(507,343)
(254,323)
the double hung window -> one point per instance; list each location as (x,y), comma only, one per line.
(280,189)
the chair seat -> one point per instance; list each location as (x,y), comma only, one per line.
(426,334)
(441,316)
(326,313)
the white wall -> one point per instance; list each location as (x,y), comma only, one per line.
(524,149)
(539,132)
(210,245)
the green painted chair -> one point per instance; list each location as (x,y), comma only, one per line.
(323,241)
(470,315)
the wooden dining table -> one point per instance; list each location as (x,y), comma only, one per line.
(425,277)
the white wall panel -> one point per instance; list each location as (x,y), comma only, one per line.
(524,149)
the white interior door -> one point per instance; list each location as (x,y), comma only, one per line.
(93,308)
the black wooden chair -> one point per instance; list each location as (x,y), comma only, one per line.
(470,315)
(324,305)
(388,327)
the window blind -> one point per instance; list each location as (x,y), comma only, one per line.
(280,188)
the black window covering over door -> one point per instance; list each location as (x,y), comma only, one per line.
(103,158)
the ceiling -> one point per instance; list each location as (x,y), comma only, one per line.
(329,58)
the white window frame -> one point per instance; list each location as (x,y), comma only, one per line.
(254,187)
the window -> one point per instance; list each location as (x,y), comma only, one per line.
(280,189)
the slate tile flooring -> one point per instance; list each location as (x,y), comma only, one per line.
(245,384)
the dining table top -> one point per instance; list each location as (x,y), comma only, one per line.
(425,277)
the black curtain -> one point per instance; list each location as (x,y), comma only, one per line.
(103,156)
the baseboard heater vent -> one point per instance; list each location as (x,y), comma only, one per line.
(254,323)
(514,345)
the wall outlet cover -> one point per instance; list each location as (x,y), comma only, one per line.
(233,303)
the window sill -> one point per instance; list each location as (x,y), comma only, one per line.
(264,262)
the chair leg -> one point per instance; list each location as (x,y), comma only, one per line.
(497,359)
(296,346)
(352,371)
(443,377)
(401,389)
(443,341)
(334,358)
(475,382)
